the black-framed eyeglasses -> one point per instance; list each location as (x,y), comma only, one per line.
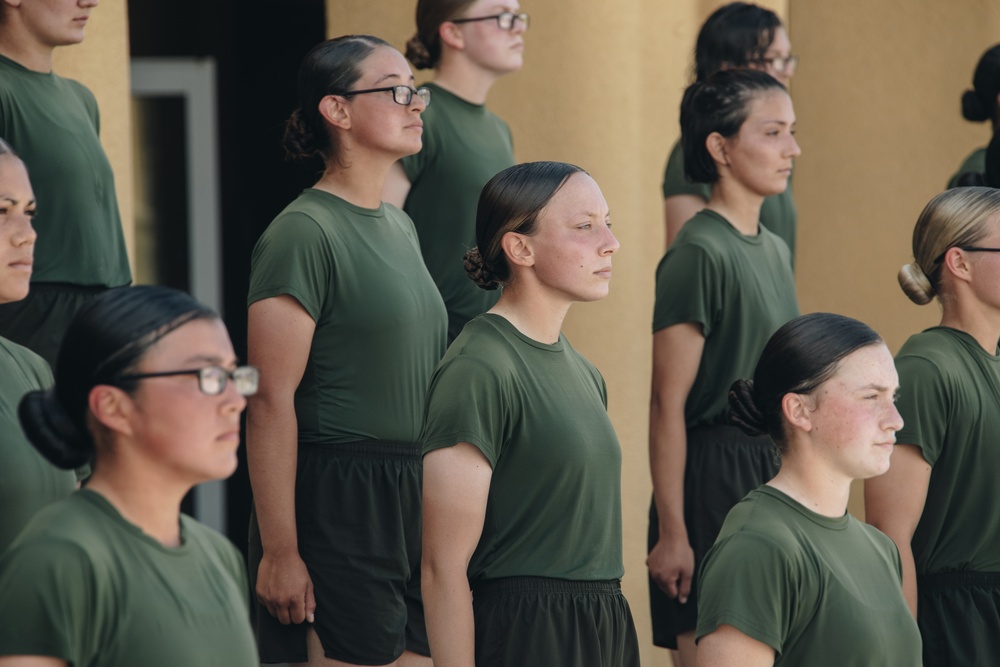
(782,64)
(400,94)
(505,20)
(966,248)
(211,379)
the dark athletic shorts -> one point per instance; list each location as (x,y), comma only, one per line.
(959,618)
(39,321)
(358,519)
(723,465)
(529,621)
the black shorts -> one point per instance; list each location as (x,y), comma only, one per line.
(359,524)
(959,618)
(39,321)
(723,465)
(526,621)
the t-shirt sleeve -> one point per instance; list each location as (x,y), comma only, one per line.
(293,257)
(676,183)
(57,611)
(924,403)
(688,288)
(467,403)
(747,581)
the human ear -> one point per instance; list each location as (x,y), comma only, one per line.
(334,111)
(111,407)
(517,248)
(716,145)
(956,262)
(797,410)
(451,35)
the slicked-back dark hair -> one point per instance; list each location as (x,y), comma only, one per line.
(734,36)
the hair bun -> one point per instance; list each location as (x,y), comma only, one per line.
(417,53)
(299,141)
(973,108)
(477,270)
(916,284)
(52,432)
(743,410)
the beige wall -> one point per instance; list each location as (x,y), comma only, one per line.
(102,64)
(877,98)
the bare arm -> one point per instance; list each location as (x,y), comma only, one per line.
(728,647)
(677,354)
(893,504)
(678,209)
(456,487)
(397,186)
(280,333)
(31,661)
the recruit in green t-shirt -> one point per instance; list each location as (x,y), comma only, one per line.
(538,413)
(464,146)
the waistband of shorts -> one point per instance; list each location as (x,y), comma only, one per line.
(375,449)
(957,580)
(515,585)
(728,433)
(67,288)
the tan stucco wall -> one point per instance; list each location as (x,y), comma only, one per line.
(877,98)
(101,63)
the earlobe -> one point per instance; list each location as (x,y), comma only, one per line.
(797,410)
(716,145)
(517,248)
(111,408)
(334,111)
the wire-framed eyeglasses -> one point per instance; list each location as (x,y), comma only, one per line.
(212,380)
(505,20)
(400,94)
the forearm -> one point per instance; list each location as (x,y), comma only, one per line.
(667,461)
(272,457)
(448,614)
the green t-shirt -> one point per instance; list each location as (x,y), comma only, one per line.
(84,585)
(975,163)
(538,413)
(27,481)
(778,213)
(53,123)
(820,591)
(949,399)
(465,145)
(380,323)
(740,289)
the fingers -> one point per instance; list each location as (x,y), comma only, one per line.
(684,590)
(310,604)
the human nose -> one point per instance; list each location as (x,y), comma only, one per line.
(24,232)
(894,420)
(794,149)
(611,244)
(87,3)
(232,400)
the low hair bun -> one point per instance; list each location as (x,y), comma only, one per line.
(743,409)
(299,141)
(417,53)
(477,270)
(915,283)
(52,432)
(973,108)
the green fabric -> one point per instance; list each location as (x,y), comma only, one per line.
(975,163)
(821,591)
(53,123)
(950,403)
(27,481)
(777,213)
(740,289)
(94,590)
(538,413)
(465,145)
(380,324)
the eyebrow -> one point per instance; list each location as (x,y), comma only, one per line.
(209,359)
(389,76)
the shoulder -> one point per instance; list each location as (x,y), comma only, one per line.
(213,543)
(30,363)
(929,354)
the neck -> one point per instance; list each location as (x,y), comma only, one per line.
(537,318)
(812,485)
(737,205)
(25,52)
(361,183)
(974,318)
(460,77)
(145,500)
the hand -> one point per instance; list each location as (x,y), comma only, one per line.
(285,588)
(671,564)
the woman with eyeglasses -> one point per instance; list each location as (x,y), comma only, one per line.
(346,326)
(27,481)
(735,35)
(148,392)
(522,468)
(938,500)
(794,579)
(723,287)
(469,44)
(979,104)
